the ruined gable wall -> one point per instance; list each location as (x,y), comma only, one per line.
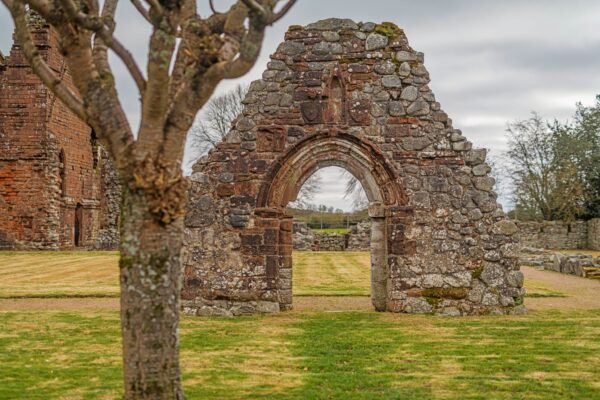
(26,173)
(353,95)
(38,191)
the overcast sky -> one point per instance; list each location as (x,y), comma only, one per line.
(490,61)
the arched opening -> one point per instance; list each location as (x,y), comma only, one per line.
(331,243)
(377,179)
(78,225)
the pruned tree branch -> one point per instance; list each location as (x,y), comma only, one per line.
(266,13)
(142,10)
(97,25)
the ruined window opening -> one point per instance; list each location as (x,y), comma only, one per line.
(78,225)
(62,172)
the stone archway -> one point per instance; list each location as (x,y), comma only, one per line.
(356,96)
(359,157)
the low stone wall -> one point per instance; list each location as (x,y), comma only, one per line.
(305,239)
(557,235)
(330,242)
(560,234)
(554,234)
(578,264)
(594,234)
(359,237)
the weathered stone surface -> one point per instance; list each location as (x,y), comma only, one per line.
(391,81)
(505,227)
(439,242)
(375,41)
(396,109)
(403,56)
(385,68)
(409,93)
(331,36)
(332,24)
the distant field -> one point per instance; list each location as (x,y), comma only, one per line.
(339,231)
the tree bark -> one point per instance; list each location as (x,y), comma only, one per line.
(150,275)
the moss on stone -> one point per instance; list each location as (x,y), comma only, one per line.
(125,262)
(294,28)
(434,301)
(477,272)
(518,301)
(389,29)
(445,293)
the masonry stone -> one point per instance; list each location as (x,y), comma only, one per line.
(431,252)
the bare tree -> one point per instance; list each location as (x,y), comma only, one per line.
(354,191)
(547,185)
(188,56)
(216,119)
(307,192)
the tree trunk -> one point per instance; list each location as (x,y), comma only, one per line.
(150,277)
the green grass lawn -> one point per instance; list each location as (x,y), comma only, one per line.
(296,355)
(350,355)
(339,231)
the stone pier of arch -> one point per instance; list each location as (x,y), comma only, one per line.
(353,95)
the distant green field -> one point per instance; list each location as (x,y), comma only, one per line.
(340,231)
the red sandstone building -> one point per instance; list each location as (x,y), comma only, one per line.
(57,190)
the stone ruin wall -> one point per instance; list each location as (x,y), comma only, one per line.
(50,163)
(353,95)
(560,234)
(594,234)
(358,239)
(539,235)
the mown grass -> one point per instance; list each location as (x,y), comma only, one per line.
(339,231)
(350,355)
(59,274)
(95,274)
(332,273)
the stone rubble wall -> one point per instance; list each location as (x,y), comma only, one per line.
(572,264)
(303,237)
(560,234)
(355,95)
(330,242)
(594,234)
(359,237)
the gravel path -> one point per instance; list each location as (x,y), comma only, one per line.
(582,293)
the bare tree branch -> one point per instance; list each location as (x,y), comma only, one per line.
(142,10)
(212,7)
(98,26)
(267,15)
